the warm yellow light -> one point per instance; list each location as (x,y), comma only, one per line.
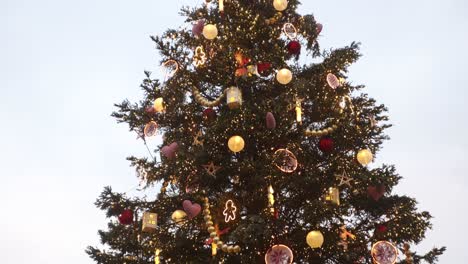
(159,105)
(299,111)
(221,5)
(284,76)
(210,31)
(178,217)
(236,144)
(365,157)
(229,211)
(214,249)
(234,97)
(315,239)
(156,256)
(280,5)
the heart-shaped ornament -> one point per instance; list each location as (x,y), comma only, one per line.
(192,209)
(376,192)
(170,151)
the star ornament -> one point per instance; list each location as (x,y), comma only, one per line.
(196,139)
(344,179)
(211,169)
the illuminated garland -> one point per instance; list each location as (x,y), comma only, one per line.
(205,102)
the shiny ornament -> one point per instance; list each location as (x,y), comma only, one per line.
(209,115)
(170,68)
(333,196)
(126,217)
(294,48)
(279,254)
(150,129)
(285,160)
(234,97)
(197,28)
(159,105)
(290,31)
(364,157)
(315,239)
(284,76)
(270,121)
(333,81)
(263,68)
(236,144)
(384,252)
(210,31)
(170,150)
(191,209)
(149,222)
(178,217)
(326,144)
(280,5)
(319,28)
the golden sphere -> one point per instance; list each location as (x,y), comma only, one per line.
(178,217)
(224,248)
(365,157)
(159,105)
(211,229)
(280,5)
(210,31)
(237,249)
(284,76)
(236,144)
(314,239)
(220,243)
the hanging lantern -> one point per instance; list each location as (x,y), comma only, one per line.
(179,217)
(150,222)
(159,105)
(236,144)
(280,5)
(315,239)
(364,157)
(210,31)
(333,195)
(234,97)
(284,76)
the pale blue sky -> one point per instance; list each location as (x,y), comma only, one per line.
(64,63)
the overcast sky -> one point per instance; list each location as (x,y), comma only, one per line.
(64,63)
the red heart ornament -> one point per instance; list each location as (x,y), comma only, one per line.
(192,209)
(376,192)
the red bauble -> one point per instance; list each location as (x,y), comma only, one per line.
(381,228)
(326,144)
(263,67)
(209,115)
(294,47)
(126,217)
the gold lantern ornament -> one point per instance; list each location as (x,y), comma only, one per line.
(315,239)
(234,97)
(150,222)
(280,5)
(210,31)
(159,105)
(179,217)
(236,144)
(284,76)
(364,157)
(333,195)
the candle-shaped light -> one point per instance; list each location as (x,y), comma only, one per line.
(156,256)
(299,110)
(271,199)
(221,6)
(214,249)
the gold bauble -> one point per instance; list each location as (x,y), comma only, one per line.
(178,217)
(210,31)
(314,239)
(236,144)
(280,5)
(364,157)
(159,105)
(284,76)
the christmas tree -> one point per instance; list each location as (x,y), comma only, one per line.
(266,151)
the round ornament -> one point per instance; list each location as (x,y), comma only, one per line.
(126,217)
(178,217)
(294,47)
(384,252)
(236,144)
(159,105)
(364,157)
(170,68)
(279,254)
(280,5)
(333,81)
(284,76)
(285,161)
(315,239)
(150,129)
(209,115)
(210,31)
(326,144)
